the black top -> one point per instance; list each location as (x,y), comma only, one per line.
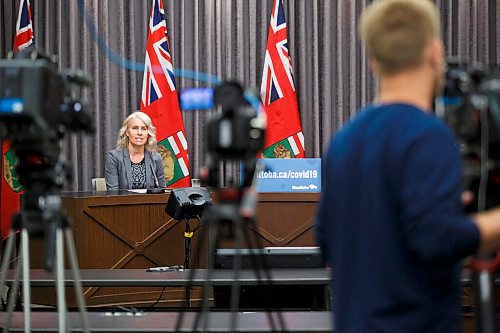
(138,174)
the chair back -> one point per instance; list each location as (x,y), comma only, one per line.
(98,184)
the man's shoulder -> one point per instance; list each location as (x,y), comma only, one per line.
(410,121)
(391,127)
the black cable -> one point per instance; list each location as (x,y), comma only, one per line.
(187,243)
(151,307)
(180,318)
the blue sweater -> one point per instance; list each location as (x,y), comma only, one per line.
(391,224)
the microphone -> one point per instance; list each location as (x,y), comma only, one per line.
(175,268)
(156,189)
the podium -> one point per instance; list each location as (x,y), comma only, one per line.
(126,230)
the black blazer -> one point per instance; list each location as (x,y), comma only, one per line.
(118,170)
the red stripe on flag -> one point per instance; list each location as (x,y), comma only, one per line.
(24,34)
(183,153)
(165,111)
(10,200)
(22,39)
(183,182)
(283,118)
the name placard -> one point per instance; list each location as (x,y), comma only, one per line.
(290,175)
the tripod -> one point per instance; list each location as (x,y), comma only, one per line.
(236,208)
(56,231)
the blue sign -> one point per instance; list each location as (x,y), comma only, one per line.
(290,175)
(11,105)
(197,99)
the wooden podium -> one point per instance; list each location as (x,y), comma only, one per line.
(126,230)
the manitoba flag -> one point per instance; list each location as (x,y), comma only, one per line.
(161,103)
(10,186)
(284,138)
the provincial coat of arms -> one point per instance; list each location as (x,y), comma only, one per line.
(9,171)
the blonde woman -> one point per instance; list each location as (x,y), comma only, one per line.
(135,164)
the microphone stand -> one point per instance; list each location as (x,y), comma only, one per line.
(188,235)
(157,189)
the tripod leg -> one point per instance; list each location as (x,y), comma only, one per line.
(61,299)
(9,248)
(76,276)
(26,279)
(259,263)
(236,286)
(213,232)
(14,291)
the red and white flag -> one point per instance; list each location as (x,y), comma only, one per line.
(11,188)
(160,101)
(284,138)
(24,28)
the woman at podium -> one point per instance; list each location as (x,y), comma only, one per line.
(135,163)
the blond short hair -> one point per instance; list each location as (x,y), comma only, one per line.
(396,32)
(123,140)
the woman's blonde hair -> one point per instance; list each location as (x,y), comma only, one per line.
(396,32)
(123,140)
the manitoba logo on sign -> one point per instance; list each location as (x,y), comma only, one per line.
(9,171)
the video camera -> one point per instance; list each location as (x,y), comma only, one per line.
(37,108)
(34,92)
(471,103)
(235,134)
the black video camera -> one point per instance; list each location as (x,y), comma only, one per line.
(471,107)
(235,134)
(238,134)
(35,95)
(37,108)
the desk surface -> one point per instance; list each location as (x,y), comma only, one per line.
(166,321)
(87,194)
(140,277)
(219,277)
(264,196)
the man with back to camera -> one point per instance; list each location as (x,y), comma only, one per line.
(390,220)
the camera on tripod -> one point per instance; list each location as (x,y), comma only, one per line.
(471,103)
(37,108)
(36,96)
(236,135)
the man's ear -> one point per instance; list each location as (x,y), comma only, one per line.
(374,66)
(434,53)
